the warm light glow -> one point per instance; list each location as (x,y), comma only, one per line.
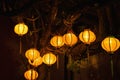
(110,44)
(49,58)
(57,41)
(36,62)
(70,39)
(21,29)
(87,36)
(31,74)
(32,54)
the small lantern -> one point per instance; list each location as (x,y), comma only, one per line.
(87,36)
(49,58)
(32,54)
(36,62)
(21,29)
(110,44)
(31,74)
(57,41)
(70,39)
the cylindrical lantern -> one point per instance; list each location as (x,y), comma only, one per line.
(57,41)
(31,74)
(49,58)
(21,29)
(36,62)
(87,36)
(32,54)
(110,44)
(70,39)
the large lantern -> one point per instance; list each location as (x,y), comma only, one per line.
(110,44)
(87,36)
(21,29)
(32,54)
(70,39)
(36,62)
(31,74)
(49,58)
(57,41)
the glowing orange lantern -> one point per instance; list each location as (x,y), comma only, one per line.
(31,74)
(49,58)
(57,41)
(87,36)
(36,62)
(32,54)
(21,29)
(70,39)
(110,44)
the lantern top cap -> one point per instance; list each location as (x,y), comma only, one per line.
(111,36)
(87,29)
(20,23)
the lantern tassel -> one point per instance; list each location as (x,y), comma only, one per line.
(49,72)
(88,55)
(20,45)
(57,61)
(112,68)
(70,59)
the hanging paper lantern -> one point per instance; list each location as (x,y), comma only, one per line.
(49,58)
(87,36)
(32,54)
(57,41)
(70,39)
(31,74)
(110,44)
(36,62)
(21,29)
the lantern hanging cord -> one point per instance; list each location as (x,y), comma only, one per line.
(34,28)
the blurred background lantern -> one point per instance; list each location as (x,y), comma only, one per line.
(87,36)
(32,54)
(57,41)
(21,29)
(110,44)
(36,62)
(49,58)
(31,74)
(70,39)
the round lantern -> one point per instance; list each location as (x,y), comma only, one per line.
(31,74)
(70,39)
(32,54)
(49,58)
(87,36)
(36,62)
(110,44)
(21,29)
(57,41)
